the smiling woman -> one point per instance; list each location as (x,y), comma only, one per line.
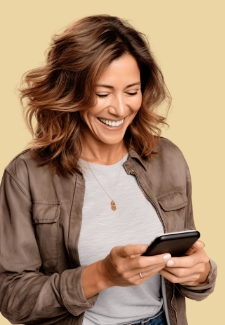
(76,66)
(97,184)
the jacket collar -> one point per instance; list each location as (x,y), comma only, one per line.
(134,155)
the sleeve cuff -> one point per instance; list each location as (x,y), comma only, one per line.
(72,292)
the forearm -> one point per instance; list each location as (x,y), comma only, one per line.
(31,297)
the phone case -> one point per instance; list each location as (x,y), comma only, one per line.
(176,243)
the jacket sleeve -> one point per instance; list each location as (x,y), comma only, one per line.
(202,291)
(26,294)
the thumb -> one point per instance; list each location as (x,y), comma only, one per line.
(131,250)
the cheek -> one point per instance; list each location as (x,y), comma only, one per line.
(86,116)
(90,113)
(138,104)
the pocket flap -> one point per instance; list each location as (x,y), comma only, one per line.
(46,212)
(173,201)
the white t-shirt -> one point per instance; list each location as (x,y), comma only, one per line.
(134,221)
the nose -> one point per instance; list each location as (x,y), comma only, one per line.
(118,106)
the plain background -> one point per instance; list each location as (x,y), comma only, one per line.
(187,38)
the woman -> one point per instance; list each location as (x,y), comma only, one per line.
(96,186)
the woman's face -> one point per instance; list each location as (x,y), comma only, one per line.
(118,99)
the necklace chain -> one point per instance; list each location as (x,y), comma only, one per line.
(112,202)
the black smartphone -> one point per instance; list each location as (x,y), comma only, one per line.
(175,243)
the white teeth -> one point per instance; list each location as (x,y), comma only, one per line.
(111,123)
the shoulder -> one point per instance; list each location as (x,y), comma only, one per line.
(39,181)
(23,168)
(167,170)
(18,168)
(19,159)
(165,147)
(167,159)
(20,164)
(168,156)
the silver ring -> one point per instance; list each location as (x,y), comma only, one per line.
(141,276)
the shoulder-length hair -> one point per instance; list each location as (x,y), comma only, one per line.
(55,93)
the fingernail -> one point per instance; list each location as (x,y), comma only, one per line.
(170,263)
(167,257)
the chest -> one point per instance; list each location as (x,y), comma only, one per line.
(134,220)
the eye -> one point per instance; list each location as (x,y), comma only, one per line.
(131,93)
(102,95)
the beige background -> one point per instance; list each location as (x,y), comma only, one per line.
(187,38)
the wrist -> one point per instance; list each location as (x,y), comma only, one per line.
(94,279)
(103,275)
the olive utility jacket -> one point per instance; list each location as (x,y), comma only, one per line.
(40,222)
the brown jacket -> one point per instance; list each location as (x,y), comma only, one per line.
(40,221)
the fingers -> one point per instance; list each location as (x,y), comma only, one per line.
(180,277)
(145,261)
(146,272)
(187,276)
(127,261)
(185,271)
(136,250)
(133,277)
(122,267)
(140,277)
(198,256)
(190,270)
(130,250)
(131,255)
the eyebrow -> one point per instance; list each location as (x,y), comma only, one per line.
(111,87)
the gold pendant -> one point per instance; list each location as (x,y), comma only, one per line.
(113,205)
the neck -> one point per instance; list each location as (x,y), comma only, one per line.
(104,154)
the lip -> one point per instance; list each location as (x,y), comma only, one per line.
(108,119)
(111,128)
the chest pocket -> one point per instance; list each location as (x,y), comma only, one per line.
(45,218)
(173,209)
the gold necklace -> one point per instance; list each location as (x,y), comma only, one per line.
(112,202)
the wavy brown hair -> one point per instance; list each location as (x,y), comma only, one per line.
(54,94)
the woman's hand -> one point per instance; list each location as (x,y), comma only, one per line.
(191,269)
(122,267)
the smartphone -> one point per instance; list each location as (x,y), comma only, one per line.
(175,243)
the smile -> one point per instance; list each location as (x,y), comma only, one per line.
(110,123)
